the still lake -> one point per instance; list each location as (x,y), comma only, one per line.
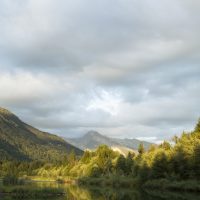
(74,192)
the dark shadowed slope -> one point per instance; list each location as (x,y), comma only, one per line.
(21,141)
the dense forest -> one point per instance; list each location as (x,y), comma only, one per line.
(175,161)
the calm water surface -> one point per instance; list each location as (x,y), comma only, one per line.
(74,192)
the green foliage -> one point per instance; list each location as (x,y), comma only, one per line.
(160,166)
(141,149)
(72,158)
(165,145)
(129,164)
(197,127)
(197,161)
(86,157)
(178,162)
(103,160)
(94,171)
(121,165)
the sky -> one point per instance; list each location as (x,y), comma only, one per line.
(125,68)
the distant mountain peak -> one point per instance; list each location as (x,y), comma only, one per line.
(92,139)
(92,133)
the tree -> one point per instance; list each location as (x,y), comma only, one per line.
(86,157)
(104,156)
(72,158)
(180,163)
(165,145)
(197,127)
(160,166)
(141,148)
(152,148)
(129,163)
(197,161)
(121,164)
(95,171)
(143,172)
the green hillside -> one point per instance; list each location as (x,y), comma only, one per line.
(20,141)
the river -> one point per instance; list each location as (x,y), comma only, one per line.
(74,192)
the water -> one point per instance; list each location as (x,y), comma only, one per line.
(74,192)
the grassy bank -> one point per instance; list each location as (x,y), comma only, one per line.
(113,181)
(60,179)
(164,184)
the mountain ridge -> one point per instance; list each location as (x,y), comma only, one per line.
(92,139)
(20,141)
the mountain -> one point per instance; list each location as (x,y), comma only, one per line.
(93,139)
(21,141)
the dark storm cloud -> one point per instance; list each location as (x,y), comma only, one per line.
(126,68)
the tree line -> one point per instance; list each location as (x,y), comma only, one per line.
(177,160)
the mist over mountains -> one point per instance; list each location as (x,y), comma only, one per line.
(93,139)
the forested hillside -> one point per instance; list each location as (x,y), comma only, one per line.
(20,141)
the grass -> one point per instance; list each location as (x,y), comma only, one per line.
(39,178)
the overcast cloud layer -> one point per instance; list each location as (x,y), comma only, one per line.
(125,68)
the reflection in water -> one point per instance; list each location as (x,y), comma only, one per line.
(73,192)
(103,194)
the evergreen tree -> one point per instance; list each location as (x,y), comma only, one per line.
(165,145)
(180,162)
(197,127)
(129,163)
(143,172)
(160,166)
(141,148)
(121,164)
(104,155)
(197,161)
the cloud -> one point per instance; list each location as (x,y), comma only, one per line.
(125,68)
(108,102)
